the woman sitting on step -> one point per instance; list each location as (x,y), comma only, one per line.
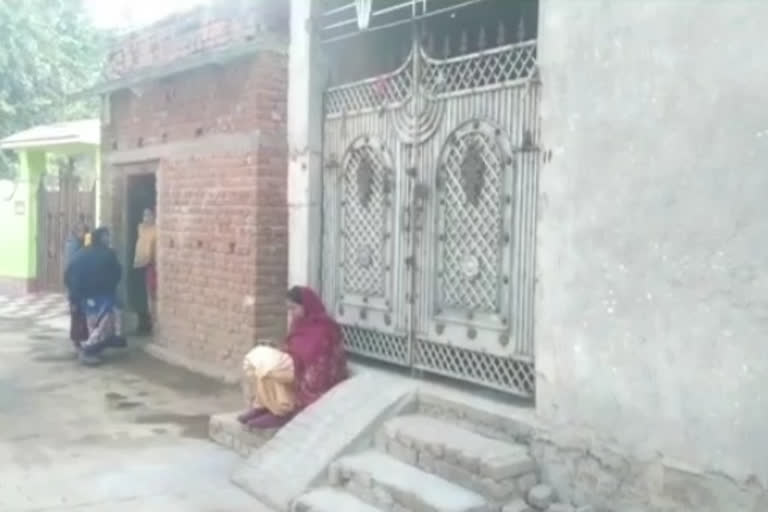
(283,382)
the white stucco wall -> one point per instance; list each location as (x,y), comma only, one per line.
(652,298)
(305,70)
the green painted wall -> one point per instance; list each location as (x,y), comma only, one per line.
(18,220)
(19,213)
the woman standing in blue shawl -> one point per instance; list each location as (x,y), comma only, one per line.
(78,328)
(92,279)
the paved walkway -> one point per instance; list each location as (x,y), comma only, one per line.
(129,435)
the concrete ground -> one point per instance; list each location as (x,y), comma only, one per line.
(129,435)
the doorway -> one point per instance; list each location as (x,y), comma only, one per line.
(141,193)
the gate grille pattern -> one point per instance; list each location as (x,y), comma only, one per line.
(471,229)
(485,369)
(477,218)
(370,343)
(488,68)
(491,68)
(364,220)
(391,89)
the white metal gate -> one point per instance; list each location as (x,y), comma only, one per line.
(430,188)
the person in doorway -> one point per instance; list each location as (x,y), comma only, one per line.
(312,361)
(78,329)
(92,279)
(145,262)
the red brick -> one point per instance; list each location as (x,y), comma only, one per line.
(220,25)
(222,218)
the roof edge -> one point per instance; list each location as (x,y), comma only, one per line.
(47,143)
(183,65)
(63,133)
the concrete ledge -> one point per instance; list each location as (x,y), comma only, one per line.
(175,359)
(298,456)
(329,499)
(499,470)
(224,429)
(384,481)
(205,146)
(481,411)
(490,418)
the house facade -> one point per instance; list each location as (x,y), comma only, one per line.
(194,127)
(558,200)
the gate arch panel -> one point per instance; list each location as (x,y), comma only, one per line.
(429,202)
(474,172)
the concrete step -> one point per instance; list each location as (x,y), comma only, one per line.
(497,469)
(328,499)
(390,483)
(224,429)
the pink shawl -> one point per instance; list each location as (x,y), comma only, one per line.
(316,346)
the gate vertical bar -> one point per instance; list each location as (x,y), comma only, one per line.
(413,173)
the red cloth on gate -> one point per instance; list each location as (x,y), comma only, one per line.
(316,346)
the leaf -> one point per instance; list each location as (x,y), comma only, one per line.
(48,49)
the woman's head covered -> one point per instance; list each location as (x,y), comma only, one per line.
(80,228)
(100,237)
(303,302)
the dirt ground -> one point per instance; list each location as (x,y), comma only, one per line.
(131,433)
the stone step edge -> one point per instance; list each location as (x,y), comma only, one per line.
(226,431)
(483,415)
(340,422)
(512,479)
(329,499)
(370,484)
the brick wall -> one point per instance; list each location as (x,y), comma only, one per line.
(222,214)
(204,29)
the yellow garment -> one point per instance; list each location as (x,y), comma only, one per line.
(87,240)
(268,379)
(145,246)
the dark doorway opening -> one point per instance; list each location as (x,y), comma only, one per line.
(141,193)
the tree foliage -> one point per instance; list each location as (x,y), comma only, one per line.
(48,50)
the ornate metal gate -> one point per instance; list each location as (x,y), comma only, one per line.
(63,201)
(429,212)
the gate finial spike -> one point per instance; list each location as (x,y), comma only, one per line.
(501,34)
(447,46)
(521,30)
(464,44)
(431,44)
(481,42)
